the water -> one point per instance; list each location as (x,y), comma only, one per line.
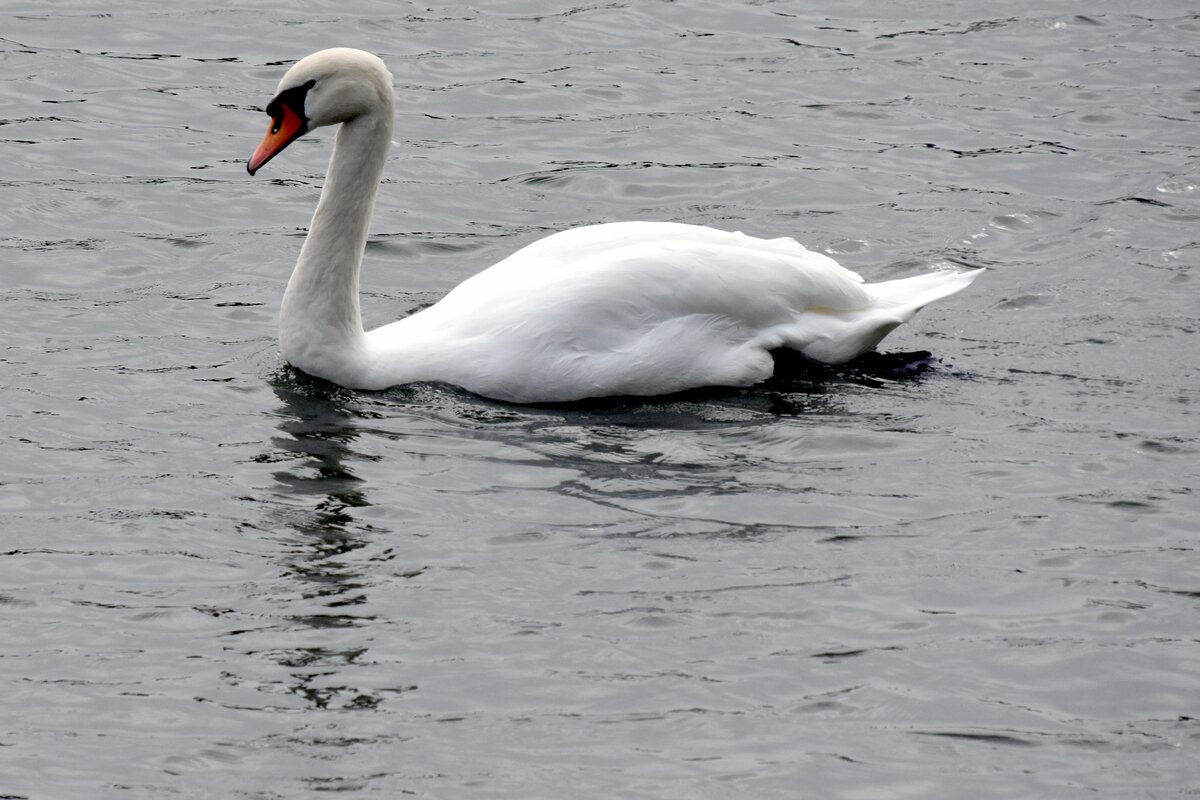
(221,580)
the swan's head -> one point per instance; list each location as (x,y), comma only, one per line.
(325,88)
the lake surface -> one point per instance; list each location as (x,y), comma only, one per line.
(219,579)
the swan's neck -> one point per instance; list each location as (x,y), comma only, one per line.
(321,328)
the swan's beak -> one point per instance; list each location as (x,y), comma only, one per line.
(285,129)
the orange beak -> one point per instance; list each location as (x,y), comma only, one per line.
(285,129)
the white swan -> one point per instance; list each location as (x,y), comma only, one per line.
(630,308)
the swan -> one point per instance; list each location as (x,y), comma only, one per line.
(625,308)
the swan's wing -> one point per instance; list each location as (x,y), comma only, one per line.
(575,246)
(635,285)
(644,318)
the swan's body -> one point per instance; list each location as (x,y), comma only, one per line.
(630,308)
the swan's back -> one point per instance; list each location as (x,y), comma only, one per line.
(644,308)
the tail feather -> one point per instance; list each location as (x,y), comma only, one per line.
(914,293)
(837,337)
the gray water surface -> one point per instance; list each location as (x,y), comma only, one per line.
(219,579)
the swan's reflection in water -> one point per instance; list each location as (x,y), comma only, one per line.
(323,586)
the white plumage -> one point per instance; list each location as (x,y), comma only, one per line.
(628,308)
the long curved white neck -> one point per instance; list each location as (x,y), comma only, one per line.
(320,323)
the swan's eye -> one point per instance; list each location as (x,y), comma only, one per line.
(289,99)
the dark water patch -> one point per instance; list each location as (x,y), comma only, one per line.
(51,245)
(1006,739)
(1191,593)
(831,656)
